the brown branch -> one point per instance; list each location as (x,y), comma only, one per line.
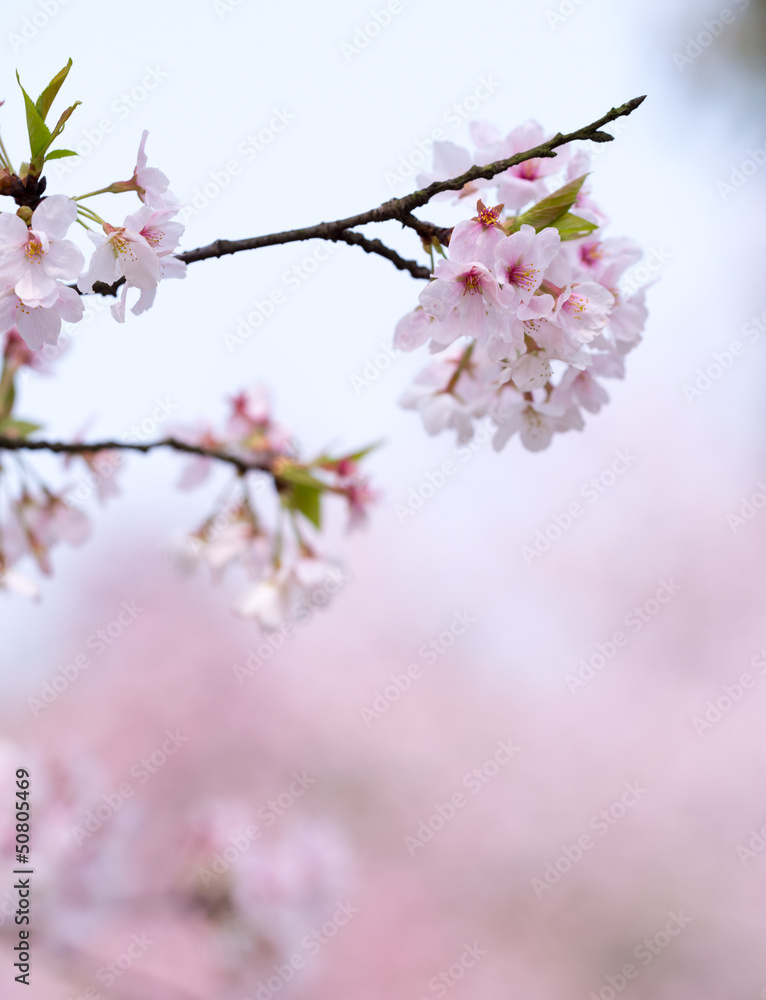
(427,231)
(590,132)
(242,465)
(375,246)
(344,236)
(400,209)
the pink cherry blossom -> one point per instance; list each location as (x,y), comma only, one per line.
(413,330)
(531,371)
(627,319)
(583,309)
(526,181)
(16,353)
(266,602)
(544,319)
(121,253)
(360,497)
(151,183)
(453,391)
(450,160)
(535,421)
(521,261)
(157,228)
(557,341)
(465,297)
(41,324)
(587,392)
(35,259)
(35,523)
(478,238)
(490,144)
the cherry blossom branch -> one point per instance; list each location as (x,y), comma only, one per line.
(377,247)
(401,209)
(398,209)
(242,465)
(344,236)
(427,231)
(590,133)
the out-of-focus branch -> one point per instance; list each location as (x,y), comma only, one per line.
(242,465)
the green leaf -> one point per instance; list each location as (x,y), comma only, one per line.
(7,394)
(356,456)
(18,428)
(63,120)
(572,227)
(546,212)
(58,153)
(300,477)
(48,96)
(36,166)
(308,501)
(39,135)
(359,455)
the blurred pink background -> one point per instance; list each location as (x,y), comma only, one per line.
(532,811)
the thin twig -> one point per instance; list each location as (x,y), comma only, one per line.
(375,246)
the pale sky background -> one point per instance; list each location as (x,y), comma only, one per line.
(221,77)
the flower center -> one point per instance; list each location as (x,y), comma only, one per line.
(522,276)
(122,247)
(488,216)
(35,249)
(576,305)
(591,253)
(472,282)
(528,170)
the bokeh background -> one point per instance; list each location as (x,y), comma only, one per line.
(326,895)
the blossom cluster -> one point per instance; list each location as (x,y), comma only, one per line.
(272,547)
(526,315)
(254,894)
(38,264)
(33,516)
(43,274)
(260,891)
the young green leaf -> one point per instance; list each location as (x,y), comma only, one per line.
(546,212)
(48,96)
(356,456)
(63,120)
(300,477)
(18,428)
(58,153)
(308,501)
(39,134)
(362,453)
(572,227)
(7,394)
